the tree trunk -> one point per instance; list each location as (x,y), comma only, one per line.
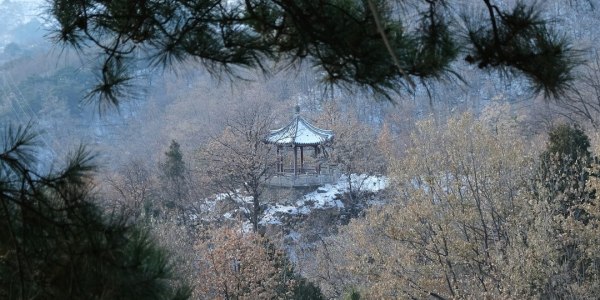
(350,192)
(255,212)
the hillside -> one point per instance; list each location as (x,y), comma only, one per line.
(467,185)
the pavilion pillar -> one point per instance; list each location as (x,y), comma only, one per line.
(279,161)
(282,160)
(317,163)
(295,159)
(301,159)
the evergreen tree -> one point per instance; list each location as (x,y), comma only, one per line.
(174,167)
(567,187)
(371,44)
(57,244)
(174,183)
(306,290)
(564,170)
(568,141)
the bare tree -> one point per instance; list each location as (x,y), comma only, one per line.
(238,162)
(447,231)
(132,189)
(584,101)
(354,148)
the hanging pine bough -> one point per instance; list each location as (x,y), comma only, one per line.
(520,41)
(56,244)
(355,43)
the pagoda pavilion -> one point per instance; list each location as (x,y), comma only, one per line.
(308,145)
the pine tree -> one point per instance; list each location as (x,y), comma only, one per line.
(564,170)
(370,44)
(566,215)
(57,244)
(174,167)
(174,182)
(568,141)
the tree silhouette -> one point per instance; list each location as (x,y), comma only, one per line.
(57,244)
(174,167)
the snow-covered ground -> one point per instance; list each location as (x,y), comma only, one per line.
(323,197)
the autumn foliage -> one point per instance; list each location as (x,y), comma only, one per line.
(472,219)
(237,265)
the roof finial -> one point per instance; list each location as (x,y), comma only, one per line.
(297,109)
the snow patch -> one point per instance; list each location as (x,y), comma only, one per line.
(324,197)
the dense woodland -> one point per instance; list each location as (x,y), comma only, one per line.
(152,185)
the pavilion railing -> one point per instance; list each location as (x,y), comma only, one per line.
(305,177)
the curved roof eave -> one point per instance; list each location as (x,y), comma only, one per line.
(299,132)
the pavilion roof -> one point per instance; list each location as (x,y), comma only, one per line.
(299,132)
